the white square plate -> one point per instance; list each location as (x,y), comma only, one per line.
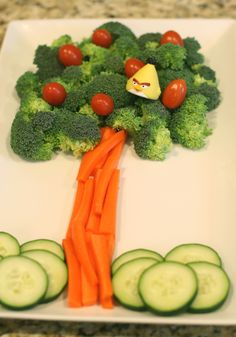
(190,197)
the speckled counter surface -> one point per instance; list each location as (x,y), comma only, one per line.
(40,9)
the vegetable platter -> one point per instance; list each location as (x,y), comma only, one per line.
(189,197)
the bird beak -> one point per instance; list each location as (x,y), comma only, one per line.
(138,88)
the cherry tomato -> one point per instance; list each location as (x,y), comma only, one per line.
(172,37)
(102,104)
(69,55)
(54,93)
(102,38)
(132,65)
(174,94)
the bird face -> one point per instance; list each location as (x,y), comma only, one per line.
(145,83)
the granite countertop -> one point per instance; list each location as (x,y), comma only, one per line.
(46,9)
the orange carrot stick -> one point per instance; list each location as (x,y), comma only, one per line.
(109,166)
(78,232)
(108,217)
(101,259)
(94,219)
(106,134)
(89,290)
(91,160)
(74,275)
(107,303)
(77,201)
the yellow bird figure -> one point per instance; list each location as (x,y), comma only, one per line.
(145,83)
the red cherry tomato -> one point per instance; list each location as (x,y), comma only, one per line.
(132,65)
(102,104)
(172,37)
(102,38)
(54,93)
(69,55)
(174,94)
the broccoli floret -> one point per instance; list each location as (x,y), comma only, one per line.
(192,47)
(88,111)
(46,59)
(43,120)
(168,75)
(114,64)
(32,104)
(29,142)
(113,85)
(94,53)
(166,56)
(153,141)
(149,39)
(204,71)
(76,133)
(211,93)
(27,83)
(188,125)
(61,41)
(117,29)
(125,47)
(72,74)
(153,110)
(89,70)
(198,80)
(75,99)
(125,119)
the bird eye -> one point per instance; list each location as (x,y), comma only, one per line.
(134,82)
(144,86)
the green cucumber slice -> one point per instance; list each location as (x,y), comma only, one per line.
(213,289)
(134,254)
(125,282)
(45,244)
(23,282)
(8,245)
(168,288)
(193,252)
(56,270)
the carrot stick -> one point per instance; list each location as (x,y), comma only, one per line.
(108,217)
(101,259)
(91,160)
(94,219)
(107,303)
(109,166)
(78,231)
(74,275)
(110,245)
(106,134)
(77,201)
(89,290)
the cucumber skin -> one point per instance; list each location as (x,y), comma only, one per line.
(31,305)
(199,244)
(214,307)
(32,241)
(14,238)
(168,313)
(49,299)
(141,309)
(134,250)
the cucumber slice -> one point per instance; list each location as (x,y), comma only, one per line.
(56,270)
(8,245)
(134,254)
(23,282)
(193,252)
(168,288)
(45,244)
(214,285)
(125,282)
